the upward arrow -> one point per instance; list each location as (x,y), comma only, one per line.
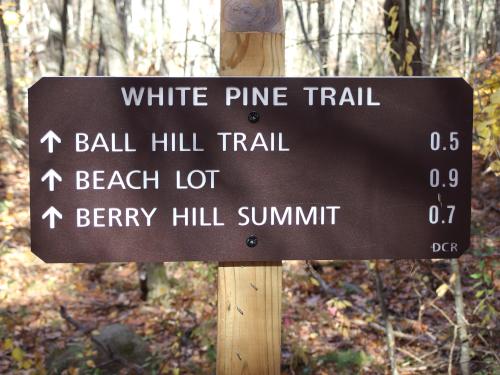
(52,212)
(50,137)
(51,175)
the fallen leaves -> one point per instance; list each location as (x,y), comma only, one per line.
(182,333)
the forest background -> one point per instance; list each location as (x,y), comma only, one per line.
(368,317)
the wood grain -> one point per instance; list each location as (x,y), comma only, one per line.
(249,318)
(249,294)
(253,54)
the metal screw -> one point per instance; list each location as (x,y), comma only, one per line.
(252,241)
(254,117)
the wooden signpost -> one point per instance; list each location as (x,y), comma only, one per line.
(253,170)
(252,42)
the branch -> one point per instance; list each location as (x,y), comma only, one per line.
(306,37)
(329,291)
(113,357)
(322,283)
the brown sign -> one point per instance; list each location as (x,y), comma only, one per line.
(249,169)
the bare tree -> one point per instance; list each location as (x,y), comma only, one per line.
(55,53)
(438,33)
(427,37)
(401,44)
(461,321)
(389,330)
(405,56)
(340,36)
(113,39)
(305,33)
(497,25)
(323,39)
(90,50)
(9,80)
(152,276)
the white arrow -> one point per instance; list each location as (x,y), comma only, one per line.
(51,175)
(52,213)
(50,137)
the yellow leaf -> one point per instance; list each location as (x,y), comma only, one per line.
(490,109)
(314,281)
(9,195)
(441,291)
(393,53)
(483,129)
(393,12)
(17,354)
(393,15)
(495,167)
(8,344)
(370,318)
(90,363)
(11,18)
(393,27)
(27,364)
(410,51)
(495,97)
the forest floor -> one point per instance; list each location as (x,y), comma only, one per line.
(322,334)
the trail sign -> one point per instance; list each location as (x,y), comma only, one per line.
(247,169)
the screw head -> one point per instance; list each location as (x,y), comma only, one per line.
(252,241)
(254,117)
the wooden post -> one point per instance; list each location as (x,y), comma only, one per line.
(249,294)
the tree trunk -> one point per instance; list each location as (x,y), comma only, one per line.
(153,282)
(466,41)
(101,59)
(122,10)
(389,331)
(407,62)
(340,37)
(323,39)
(249,294)
(152,276)
(305,33)
(90,51)
(112,38)
(497,25)
(461,321)
(56,43)
(9,80)
(438,33)
(405,48)
(427,37)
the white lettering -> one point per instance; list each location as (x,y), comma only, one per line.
(132,95)
(310,93)
(370,100)
(134,180)
(289,215)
